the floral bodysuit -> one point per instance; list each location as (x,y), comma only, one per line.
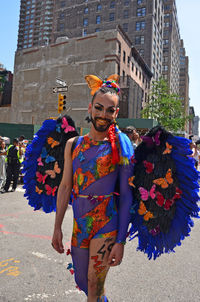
(98,210)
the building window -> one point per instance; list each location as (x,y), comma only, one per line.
(125,27)
(166,24)
(126,2)
(165,67)
(132,66)
(62,16)
(85,22)
(111,17)
(98,19)
(124,56)
(141,52)
(97,30)
(141,11)
(85,32)
(86,10)
(61,27)
(128,61)
(165,41)
(123,75)
(126,14)
(136,71)
(99,7)
(119,48)
(140,1)
(112,4)
(140,25)
(139,40)
(62,3)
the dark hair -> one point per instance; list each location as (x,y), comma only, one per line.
(105,90)
(15,140)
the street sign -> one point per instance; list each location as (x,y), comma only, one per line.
(61,82)
(60,89)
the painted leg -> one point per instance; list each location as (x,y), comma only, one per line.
(98,268)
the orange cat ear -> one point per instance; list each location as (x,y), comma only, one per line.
(94,83)
(113,77)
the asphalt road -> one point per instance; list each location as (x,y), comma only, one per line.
(30,270)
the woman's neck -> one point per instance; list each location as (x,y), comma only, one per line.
(98,136)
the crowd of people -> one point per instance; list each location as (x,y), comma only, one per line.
(11,158)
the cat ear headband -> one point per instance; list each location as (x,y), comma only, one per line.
(95,83)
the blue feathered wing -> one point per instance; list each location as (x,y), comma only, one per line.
(44,162)
(166,192)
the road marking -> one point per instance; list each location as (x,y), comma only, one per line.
(10,270)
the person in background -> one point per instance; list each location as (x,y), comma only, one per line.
(13,159)
(195,153)
(133,135)
(2,163)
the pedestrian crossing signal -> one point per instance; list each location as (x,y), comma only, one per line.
(61,102)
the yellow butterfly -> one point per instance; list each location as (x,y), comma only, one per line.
(95,83)
(37,190)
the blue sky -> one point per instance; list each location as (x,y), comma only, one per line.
(189,23)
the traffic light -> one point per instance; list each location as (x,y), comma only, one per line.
(61,102)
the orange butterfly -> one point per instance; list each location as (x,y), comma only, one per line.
(37,190)
(168,149)
(52,142)
(130,181)
(143,211)
(53,172)
(164,182)
(95,83)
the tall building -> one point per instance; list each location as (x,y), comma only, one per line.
(171,46)
(141,20)
(47,21)
(184,78)
(35,24)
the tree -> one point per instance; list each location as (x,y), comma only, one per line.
(165,107)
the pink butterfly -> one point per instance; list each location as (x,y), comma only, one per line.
(66,126)
(50,190)
(151,140)
(40,177)
(145,194)
(39,160)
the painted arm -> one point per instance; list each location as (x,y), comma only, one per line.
(64,193)
(125,203)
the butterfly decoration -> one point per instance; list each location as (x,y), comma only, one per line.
(70,265)
(150,141)
(58,127)
(149,166)
(145,194)
(130,181)
(167,203)
(68,252)
(155,231)
(95,83)
(56,170)
(39,160)
(168,149)
(92,198)
(53,143)
(166,181)
(50,159)
(50,190)
(37,190)
(65,125)
(81,157)
(143,211)
(41,178)
(133,160)
(44,152)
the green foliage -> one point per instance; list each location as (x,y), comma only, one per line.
(165,107)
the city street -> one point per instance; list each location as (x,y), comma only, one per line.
(30,270)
